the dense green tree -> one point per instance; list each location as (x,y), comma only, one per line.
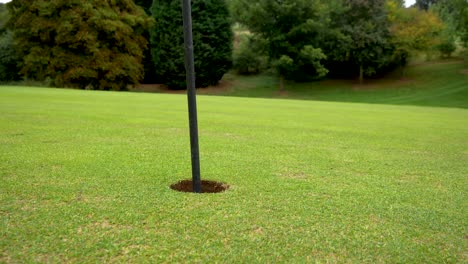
(9,59)
(426,4)
(145,4)
(454,13)
(357,38)
(212,38)
(291,32)
(248,56)
(335,43)
(458,10)
(365,22)
(4,17)
(412,30)
(148,63)
(95,44)
(448,36)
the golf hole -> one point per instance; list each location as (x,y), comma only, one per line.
(206,186)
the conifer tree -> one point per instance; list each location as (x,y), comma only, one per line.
(9,59)
(95,44)
(212,38)
(148,63)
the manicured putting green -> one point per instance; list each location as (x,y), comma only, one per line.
(85,177)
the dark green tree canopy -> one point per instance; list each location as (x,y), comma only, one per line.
(212,38)
(94,44)
(458,11)
(4,17)
(308,38)
(366,24)
(425,4)
(9,59)
(291,31)
(146,4)
(148,63)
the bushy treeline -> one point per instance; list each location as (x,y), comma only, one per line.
(109,45)
(308,39)
(106,44)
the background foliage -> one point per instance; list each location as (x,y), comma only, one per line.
(248,56)
(9,60)
(349,38)
(414,30)
(83,44)
(212,37)
(104,44)
(290,31)
(148,62)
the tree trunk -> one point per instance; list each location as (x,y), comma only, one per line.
(281,83)
(403,71)
(361,74)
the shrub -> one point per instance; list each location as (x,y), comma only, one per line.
(248,58)
(447,47)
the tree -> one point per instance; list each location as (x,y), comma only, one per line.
(96,44)
(367,26)
(448,36)
(212,38)
(145,4)
(148,63)
(335,41)
(462,18)
(425,4)
(412,30)
(248,56)
(4,17)
(9,59)
(290,30)
(457,10)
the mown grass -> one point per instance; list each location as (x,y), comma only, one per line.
(437,83)
(85,178)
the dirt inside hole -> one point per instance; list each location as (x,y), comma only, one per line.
(206,186)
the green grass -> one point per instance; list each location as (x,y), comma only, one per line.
(442,83)
(85,178)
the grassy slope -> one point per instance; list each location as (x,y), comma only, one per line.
(85,176)
(442,83)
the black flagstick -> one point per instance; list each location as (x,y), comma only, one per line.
(191,95)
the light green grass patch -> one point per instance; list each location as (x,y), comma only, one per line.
(85,177)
